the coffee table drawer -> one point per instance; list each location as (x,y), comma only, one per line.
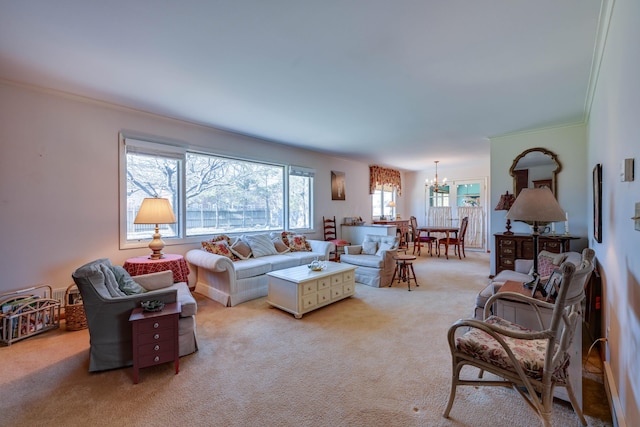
(309,301)
(324,296)
(336,279)
(309,287)
(324,283)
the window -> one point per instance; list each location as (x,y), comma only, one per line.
(210,194)
(152,171)
(229,195)
(441,198)
(380,199)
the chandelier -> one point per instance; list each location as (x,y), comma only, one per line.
(437,188)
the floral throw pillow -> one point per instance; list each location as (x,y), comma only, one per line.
(298,243)
(219,248)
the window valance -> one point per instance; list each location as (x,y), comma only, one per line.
(384,176)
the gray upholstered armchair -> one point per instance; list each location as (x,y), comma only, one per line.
(108,309)
(373,259)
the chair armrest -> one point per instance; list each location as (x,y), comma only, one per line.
(154,281)
(353,249)
(322,246)
(535,304)
(388,255)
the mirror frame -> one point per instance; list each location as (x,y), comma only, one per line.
(554,173)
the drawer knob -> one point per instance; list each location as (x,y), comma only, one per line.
(156,336)
(157,347)
(155,325)
(156,359)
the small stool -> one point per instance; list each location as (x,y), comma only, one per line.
(404,270)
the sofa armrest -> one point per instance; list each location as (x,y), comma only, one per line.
(210,261)
(321,246)
(523,265)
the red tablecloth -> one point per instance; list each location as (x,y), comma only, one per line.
(143,265)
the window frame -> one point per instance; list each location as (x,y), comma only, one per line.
(146,144)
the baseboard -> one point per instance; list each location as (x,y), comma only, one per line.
(613,397)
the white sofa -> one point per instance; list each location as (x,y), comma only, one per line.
(234,282)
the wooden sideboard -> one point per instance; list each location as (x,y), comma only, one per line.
(508,248)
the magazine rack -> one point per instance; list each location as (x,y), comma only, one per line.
(27,312)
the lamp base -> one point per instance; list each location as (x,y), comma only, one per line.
(156,245)
(508,227)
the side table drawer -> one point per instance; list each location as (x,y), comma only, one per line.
(156,348)
(154,325)
(145,360)
(157,336)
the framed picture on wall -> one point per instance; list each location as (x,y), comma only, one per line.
(337,186)
(597,202)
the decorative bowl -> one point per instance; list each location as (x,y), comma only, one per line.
(153,305)
(316,267)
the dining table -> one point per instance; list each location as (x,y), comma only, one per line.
(446,230)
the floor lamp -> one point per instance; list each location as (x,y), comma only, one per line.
(536,206)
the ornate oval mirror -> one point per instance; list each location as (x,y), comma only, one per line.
(535,168)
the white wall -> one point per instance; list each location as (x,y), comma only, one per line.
(569,143)
(59,180)
(614,134)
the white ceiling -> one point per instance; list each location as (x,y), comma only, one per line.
(399,83)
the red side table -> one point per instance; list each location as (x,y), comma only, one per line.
(144,265)
(155,337)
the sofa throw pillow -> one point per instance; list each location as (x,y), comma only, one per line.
(261,244)
(241,249)
(547,262)
(218,248)
(383,247)
(221,238)
(125,282)
(281,248)
(298,243)
(369,248)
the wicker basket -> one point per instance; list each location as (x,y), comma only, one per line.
(75,316)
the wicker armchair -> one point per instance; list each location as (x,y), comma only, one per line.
(531,362)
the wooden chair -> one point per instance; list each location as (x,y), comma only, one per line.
(418,240)
(330,235)
(532,362)
(457,242)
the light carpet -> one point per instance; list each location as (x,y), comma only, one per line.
(379,358)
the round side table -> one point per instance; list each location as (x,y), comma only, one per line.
(404,270)
(144,265)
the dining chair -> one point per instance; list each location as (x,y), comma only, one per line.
(418,239)
(457,242)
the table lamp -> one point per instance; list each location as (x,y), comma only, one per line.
(536,206)
(155,210)
(504,204)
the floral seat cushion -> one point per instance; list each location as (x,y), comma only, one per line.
(529,353)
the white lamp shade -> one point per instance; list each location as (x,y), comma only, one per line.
(536,205)
(155,210)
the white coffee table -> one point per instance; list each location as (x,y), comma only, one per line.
(299,290)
